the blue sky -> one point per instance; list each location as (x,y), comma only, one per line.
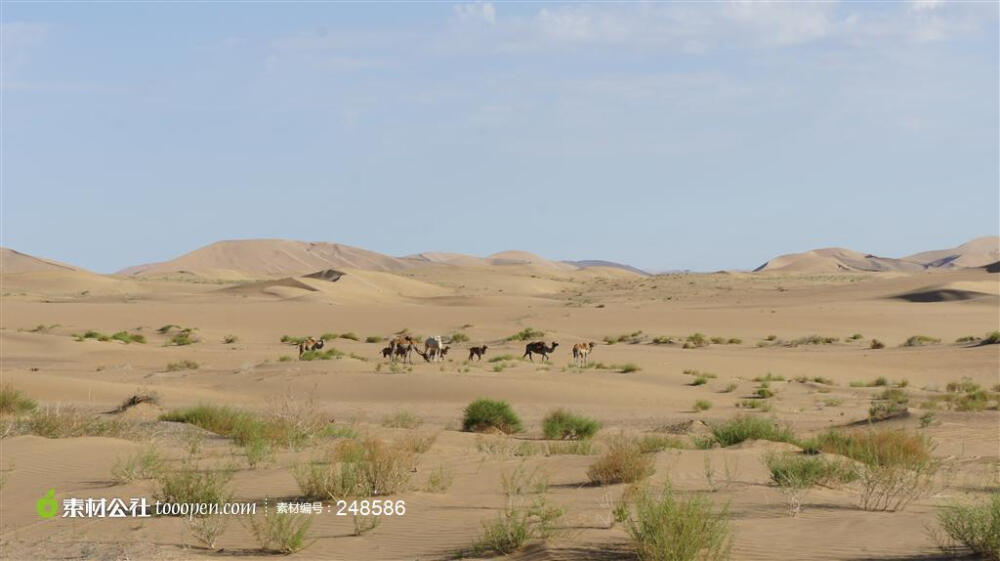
(664,135)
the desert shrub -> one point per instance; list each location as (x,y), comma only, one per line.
(897,466)
(856,337)
(355,470)
(526,334)
(652,443)
(288,429)
(976,400)
(755,404)
(402,420)
(699,381)
(126,337)
(487,413)
(326,354)
(665,527)
(350,336)
(258,451)
(663,340)
(144,464)
(992,338)
(764,391)
(964,385)
(417,443)
(207,529)
(230,339)
(702,405)
(696,340)
(192,485)
(516,525)
(458,337)
(91,334)
(374,339)
(285,358)
(742,428)
(327,336)
(890,402)
(967,339)
(13,402)
(822,380)
(283,532)
(876,344)
(501,358)
(622,462)
(183,337)
(67,422)
(769,378)
(814,340)
(295,340)
(734,341)
(182,365)
(718,340)
(439,480)
(797,470)
(730,387)
(920,340)
(976,526)
(562,425)
(628,368)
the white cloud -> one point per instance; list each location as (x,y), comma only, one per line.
(477,11)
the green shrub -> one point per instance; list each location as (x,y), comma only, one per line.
(487,413)
(145,464)
(402,420)
(797,470)
(878,447)
(967,339)
(526,334)
(182,365)
(622,462)
(769,378)
(350,336)
(666,527)
(67,422)
(13,402)
(965,385)
(184,337)
(290,430)
(281,532)
(814,340)
(516,525)
(230,339)
(652,443)
(730,387)
(663,340)
(356,470)
(876,344)
(696,340)
(458,337)
(563,425)
(628,368)
(920,340)
(328,354)
(126,337)
(992,338)
(191,485)
(742,428)
(890,402)
(976,526)
(374,339)
(699,381)
(856,336)
(702,405)
(285,358)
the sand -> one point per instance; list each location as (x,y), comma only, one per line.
(488,300)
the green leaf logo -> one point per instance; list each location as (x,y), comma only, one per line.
(47,505)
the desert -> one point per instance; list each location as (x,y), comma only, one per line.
(115,385)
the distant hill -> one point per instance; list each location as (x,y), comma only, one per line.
(834,259)
(12,261)
(979,252)
(588,263)
(269,258)
(976,253)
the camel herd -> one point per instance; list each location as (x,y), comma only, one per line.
(403,347)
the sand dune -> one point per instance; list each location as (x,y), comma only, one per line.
(976,253)
(834,259)
(12,261)
(241,259)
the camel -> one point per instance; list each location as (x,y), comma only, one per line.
(581,351)
(404,352)
(310,344)
(538,347)
(477,352)
(401,346)
(387,352)
(434,349)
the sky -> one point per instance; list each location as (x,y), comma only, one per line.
(678,135)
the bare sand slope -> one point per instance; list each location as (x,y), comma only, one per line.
(976,253)
(241,362)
